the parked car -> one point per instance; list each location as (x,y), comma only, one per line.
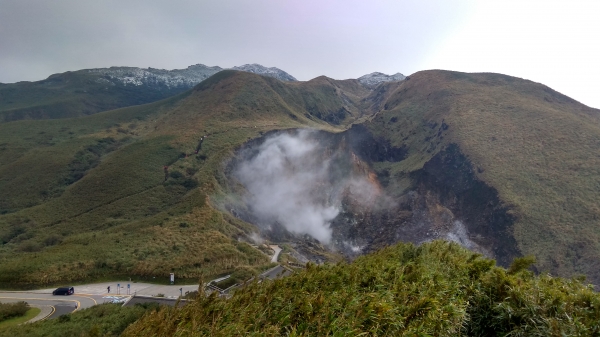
(64,291)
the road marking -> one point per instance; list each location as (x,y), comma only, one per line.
(45,299)
(50,314)
(91,298)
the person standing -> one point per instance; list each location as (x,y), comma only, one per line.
(108,288)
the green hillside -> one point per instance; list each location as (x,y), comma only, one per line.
(123,193)
(535,147)
(86,198)
(514,161)
(73,94)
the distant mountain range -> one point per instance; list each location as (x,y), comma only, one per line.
(177,78)
(88,91)
(197,73)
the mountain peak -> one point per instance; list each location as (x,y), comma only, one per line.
(179,78)
(262,70)
(374,79)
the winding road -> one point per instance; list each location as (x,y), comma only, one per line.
(58,305)
(89,295)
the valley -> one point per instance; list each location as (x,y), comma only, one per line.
(412,160)
(442,203)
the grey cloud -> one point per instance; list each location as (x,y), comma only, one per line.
(340,39)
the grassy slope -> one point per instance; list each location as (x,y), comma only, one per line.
(120,219)
(437,289)
(538,148)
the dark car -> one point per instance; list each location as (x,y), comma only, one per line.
(64,291)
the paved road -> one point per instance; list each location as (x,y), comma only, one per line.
(161,301)
(97,293)
(275,273)
(45,312)
(61,304)
(277,251)
(120,288)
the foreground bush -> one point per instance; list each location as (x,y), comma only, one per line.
(436,289)
(10,310)
(100,320)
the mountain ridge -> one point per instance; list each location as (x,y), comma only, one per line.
(89,91)
(186,78)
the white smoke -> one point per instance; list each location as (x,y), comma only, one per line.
(289,181)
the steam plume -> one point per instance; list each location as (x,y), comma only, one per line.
(293,180)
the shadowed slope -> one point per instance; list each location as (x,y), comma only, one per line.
(538,148)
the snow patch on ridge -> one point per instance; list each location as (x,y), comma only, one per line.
(177,78)
(261,70)
(374,79)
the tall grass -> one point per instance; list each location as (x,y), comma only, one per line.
(436,289)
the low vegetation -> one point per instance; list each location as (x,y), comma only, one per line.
(29,315)
(11,310)
(436,289)
(101,320)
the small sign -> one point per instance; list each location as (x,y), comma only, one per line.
(172,278)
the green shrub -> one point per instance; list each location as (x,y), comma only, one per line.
(101,320)
(10,310)
(521,263)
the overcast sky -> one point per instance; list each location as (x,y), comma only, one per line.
(555,43)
